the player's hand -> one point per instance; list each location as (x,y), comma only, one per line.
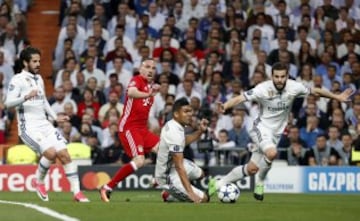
(154,90)
(204,124)
(32,94)
(62,118)
(195,198)
(220,108)
(345,95)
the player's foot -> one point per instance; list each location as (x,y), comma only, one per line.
(212,187)
(40,190)
(81,198)
(259,192)
(105,194)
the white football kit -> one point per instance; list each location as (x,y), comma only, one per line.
(172,140)
(34,128)
(275,107)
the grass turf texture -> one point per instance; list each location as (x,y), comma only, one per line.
(147,205)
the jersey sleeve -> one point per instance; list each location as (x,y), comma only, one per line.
(134,82)
(175,140)
(254,94)
(14,96)
(302,90)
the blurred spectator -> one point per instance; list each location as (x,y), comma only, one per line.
(61,100)
(70,133)
(321,154)
(70,91)
(333,138)
(6,70)
(311,131)
(240,136)
(296,154)
(222,142)
(94,126)
(88,101)
(74,119)
(98,94)
(112,103)
(345,150)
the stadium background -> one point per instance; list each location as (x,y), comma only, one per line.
(42,30)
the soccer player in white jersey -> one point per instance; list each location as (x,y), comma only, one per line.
(26,92)
(172,172)
(275,98)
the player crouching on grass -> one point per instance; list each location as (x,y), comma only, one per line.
(173,173)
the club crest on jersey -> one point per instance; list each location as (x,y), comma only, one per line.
(29,82)
(271,93)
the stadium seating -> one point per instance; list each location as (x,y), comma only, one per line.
(20,154)
(80,153)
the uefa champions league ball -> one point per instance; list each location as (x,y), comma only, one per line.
(228,193)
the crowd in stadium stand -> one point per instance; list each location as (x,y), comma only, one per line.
(206,51)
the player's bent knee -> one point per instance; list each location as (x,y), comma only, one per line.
(50,154)
(64,156)
(252,169)
(139,161)
(271,153)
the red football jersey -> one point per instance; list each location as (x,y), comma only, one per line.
(136,110)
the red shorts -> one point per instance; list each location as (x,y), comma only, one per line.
(138,141)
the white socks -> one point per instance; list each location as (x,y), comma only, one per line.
(42,169)
(73,177)
(264,167)
(235,174)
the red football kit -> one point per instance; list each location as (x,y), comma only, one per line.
(133,133)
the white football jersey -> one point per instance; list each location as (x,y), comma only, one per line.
(275,106)
(172,140)
(30,113)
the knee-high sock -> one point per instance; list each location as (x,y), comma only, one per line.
(72,176)
(264,167)
(121,174)
(235,174)
(42,169)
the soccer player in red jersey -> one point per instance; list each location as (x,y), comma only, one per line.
(134,135)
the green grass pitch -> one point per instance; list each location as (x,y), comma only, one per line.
(147,205)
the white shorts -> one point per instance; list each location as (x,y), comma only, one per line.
(42,138)
(264,138)
(175,187)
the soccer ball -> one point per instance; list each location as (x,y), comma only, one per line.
(228,193)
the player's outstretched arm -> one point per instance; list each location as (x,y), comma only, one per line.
(342,97)
(231,103)
(197,134)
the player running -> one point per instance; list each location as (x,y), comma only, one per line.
(26,92)
(275,98)
(134,135)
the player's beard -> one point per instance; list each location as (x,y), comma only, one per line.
(34,70)
(279,88)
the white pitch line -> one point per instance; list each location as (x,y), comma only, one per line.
(43,210)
